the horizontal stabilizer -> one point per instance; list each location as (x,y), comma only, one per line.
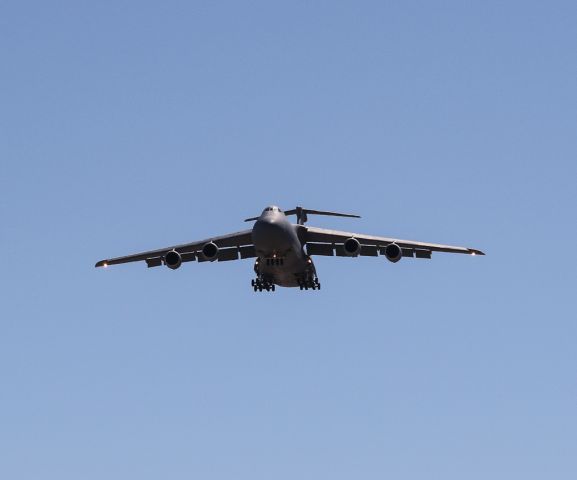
(302,214)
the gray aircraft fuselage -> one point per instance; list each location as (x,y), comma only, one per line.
(283,249)
(281,257)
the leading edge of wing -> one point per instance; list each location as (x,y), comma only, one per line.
(243,237)
(316,234)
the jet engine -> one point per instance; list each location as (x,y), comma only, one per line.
(352,247)
(393,252)
(173,260)
(210,251)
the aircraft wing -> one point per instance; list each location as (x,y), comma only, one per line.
(321,240)
(230,247)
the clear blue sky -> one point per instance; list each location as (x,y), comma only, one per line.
(133,125)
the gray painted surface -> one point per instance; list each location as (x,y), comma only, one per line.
(280,248)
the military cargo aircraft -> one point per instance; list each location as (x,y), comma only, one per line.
(283,250)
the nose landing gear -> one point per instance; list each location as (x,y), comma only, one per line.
(275,261)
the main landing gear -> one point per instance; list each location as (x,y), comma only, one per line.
(260,284)
(313,284)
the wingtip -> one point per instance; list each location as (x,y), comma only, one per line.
(101,263)
(473,251)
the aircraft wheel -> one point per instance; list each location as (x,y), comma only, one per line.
(272,288)
(255,288)
(252,282)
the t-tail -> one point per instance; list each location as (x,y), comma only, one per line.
(302,214)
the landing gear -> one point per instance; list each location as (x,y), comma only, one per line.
(260,284)
(312,283)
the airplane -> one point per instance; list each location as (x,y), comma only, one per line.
(283,250)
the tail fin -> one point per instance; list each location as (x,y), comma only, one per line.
(302,214)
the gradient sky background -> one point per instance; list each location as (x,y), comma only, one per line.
(133,125)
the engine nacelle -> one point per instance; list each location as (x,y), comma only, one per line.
(210,251)
(393,252)
(173,260)
(352,247)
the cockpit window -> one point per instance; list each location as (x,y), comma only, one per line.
(272,209)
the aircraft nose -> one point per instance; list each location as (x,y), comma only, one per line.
(270,236)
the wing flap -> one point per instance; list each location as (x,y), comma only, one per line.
(325,249)
(188,257)
(153,262)
(228,254)
(369,251)
(423,254)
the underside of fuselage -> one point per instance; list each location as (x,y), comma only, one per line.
(291,270)
(281,259)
